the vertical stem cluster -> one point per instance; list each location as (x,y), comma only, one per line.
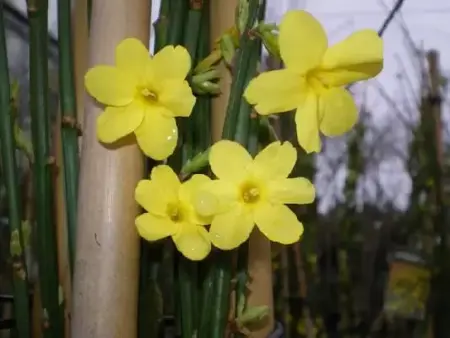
(196,138)
(237,128)
(42,169)
(11,179)
(69,132)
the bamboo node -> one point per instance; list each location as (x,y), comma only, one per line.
(70,122)
(51,160)
(196,4)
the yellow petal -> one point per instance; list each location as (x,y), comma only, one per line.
(193,241)
(157,135)
(132,57)
(172,62)
(297,190)
(359,57)
(154,197)
(153,228)
(275,91)
(231,229)
(276,160)
(338,112)
(188,193)
(307,124)
(177,97)
(215,196)
(117,122)
(278,223)
(164,176)
(229,160)
(110,86)
(302,41)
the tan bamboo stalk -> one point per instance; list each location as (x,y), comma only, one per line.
(61,226)
(106,268)
(80,47)
(260,272)
(260,286)
(222,18)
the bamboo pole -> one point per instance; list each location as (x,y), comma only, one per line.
(222,18)
(61,226)
(260,285)
(106,266)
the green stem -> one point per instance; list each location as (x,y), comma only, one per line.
(42,169)
(11,179)
(235,128)
(152,253)
(187,289)
(177,15)
(69,133)
(187,270)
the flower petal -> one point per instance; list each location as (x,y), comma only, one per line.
(215,196)
(153,228)
(275,91)
(117,122)
(177,97)
(147,195)
(297,190)
(110,86)
(172,62)
(359,57)
(276,160)
(156,194)
(193,242)
(338,112)
(306,120)
(166,177)
(231,229)
(229,160)
(278,223)
(302,41)
(188,193)
(132,57)
(157,135)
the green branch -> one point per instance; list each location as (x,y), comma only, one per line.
(11,179)
(42,169)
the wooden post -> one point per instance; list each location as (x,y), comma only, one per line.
(61,225)
(222,18)
(106,268)
(260,272)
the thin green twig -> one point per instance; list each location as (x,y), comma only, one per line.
(52,313)
(11,179)
(69,133)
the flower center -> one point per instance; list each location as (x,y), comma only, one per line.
(149,95)
(175,213)
(250,193)
(314,82)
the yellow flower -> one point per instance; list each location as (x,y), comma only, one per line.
(314,78)
(250,191)
(170,212)
(143,94)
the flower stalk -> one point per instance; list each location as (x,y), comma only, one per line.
(13,195)
(42,168)
(70,130)
(195,131)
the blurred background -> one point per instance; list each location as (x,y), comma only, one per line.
(375,257)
